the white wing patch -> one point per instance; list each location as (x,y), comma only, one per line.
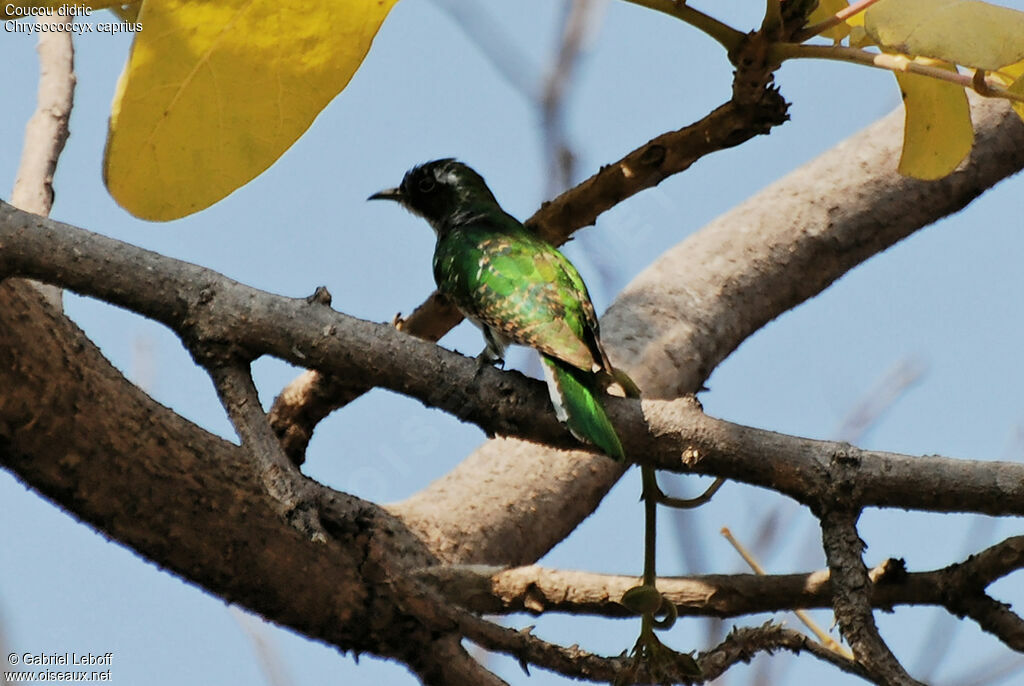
(555,391)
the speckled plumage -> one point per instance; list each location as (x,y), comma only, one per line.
(516,287)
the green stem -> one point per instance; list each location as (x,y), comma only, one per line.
(649,494)
(726,35)
(780,52)
(650,497)
(690,503)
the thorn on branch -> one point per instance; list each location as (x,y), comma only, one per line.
(321,296)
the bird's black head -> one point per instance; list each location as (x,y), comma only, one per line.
(440,191)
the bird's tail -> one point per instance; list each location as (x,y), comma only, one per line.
(573,394)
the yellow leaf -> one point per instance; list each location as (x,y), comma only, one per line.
(216,90)
(968,32)
(1012,71)
(825,10)
(1015,74)
(937,133)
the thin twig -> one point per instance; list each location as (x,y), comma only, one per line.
(822,636)
(851,600)
(560,156)
(496,44)
(900,64)
(726,35)
(836,19)
(238,394)
(47,131)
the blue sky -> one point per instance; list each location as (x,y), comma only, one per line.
(947,298)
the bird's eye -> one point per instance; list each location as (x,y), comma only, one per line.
(426,184)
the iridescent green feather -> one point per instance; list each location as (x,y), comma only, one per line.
(576,404)
(521,287)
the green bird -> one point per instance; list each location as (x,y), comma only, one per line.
(516,288)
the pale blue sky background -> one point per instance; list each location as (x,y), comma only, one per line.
(947,298)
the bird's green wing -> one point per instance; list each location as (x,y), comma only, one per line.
(523,288)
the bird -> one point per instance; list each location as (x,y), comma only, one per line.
(517,289)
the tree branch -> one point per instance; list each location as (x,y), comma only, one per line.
(495,590)
(47,130)
(207,309)
(741,645)
(237,392)
(850,599)
(76,431)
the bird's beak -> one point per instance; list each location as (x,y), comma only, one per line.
(395,194)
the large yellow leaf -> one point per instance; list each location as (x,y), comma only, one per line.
(967,32)
(1017,88)
(1012,75)
(937,132)
(216,90)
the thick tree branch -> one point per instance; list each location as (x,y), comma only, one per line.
(75,430)
(207,309)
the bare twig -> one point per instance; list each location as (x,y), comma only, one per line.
(851,599)
(238,394)
(561,159)
(899,64)
(47,130)
(739,646)
(879,399)
(822,636)
(496,44)
(836,19)
(269,659)
(727,36)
